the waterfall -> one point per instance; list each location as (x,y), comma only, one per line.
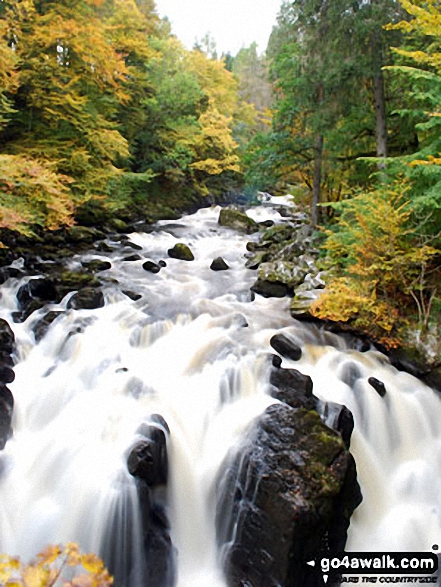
(193,348)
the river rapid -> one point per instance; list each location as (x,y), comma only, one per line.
(194,349)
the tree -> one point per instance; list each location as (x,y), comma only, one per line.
(420,72)
(330,107)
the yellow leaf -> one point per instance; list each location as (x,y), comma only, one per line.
(35,576)
(92,563)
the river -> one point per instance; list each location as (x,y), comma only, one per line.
(193,349)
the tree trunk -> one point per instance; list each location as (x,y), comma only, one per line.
(380,117)
(318,158)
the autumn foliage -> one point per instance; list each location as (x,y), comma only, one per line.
(55,566)
(380,265)
(98,102)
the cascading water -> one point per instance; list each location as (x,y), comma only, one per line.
(193,349)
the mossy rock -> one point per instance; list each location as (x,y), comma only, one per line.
(279,233)
(301,303)
(84,234)
(96,265)
(117,225)
(231,218)
(181,251)
(88,298)
(270,289)
(68,281)
(285,272)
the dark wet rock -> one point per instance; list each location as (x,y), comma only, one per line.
(6,396)
(7,374)
(147,462)
(6,359)
(340,419)
(37,289)
(151,267)
(158,419)
(285,347)
(162,263)
(181,251)
(133,246)
(68,281)
(232,218)
(42,326)
(87,298)
(7,337)
(160,555)
(148,458)
(34,295)
(96,265)
(270,289)
(8,272)
(276,361)
(132,295)
(219,264)
(345,425)
(293,388)
(378,385)
(287,494)
(131,258)
(6,407)
(103,247)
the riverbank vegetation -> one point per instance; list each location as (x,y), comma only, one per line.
(104,113)
(356,126)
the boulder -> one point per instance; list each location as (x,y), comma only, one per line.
(6,407)
(257,259)
(291,274)
(340,419)
(134,257)
(232,218)
(148,458)
(285,347)
(284,497)
(293,388)
(147,462)
(96,265)
(35,294)
(83,234)
(301,303)
(378,385)
(270,289)
(132,295)
(103,247)
(151,267)
(133,246)
(88,298)
(160,555)
(219,264)
(7,374)
(7,337)
(182,252)
(67,281)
